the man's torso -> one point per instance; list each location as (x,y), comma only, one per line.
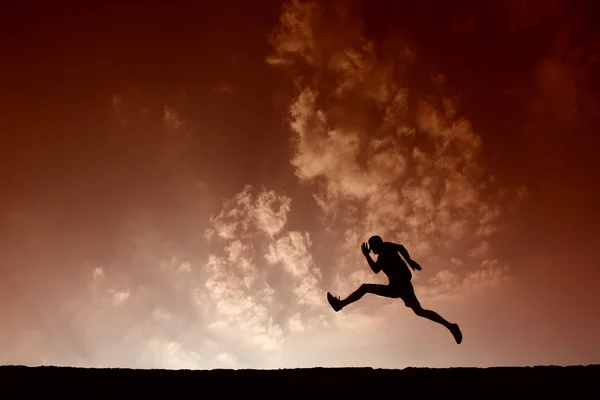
(392,264)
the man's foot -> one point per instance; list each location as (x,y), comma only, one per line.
(456,333)
(334,302)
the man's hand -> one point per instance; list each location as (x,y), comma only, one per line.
(414,265)
(365,249)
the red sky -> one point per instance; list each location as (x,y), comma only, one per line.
(182,184)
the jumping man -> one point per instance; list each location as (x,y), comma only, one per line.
(399,285)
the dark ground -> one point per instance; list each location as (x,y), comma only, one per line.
(25,382)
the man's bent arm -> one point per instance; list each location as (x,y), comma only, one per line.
(372,264)
(402,250)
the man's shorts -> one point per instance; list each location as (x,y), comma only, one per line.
(406,292)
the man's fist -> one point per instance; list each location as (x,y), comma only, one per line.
(414,265)
(365,249)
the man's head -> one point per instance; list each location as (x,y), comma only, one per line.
(375,244)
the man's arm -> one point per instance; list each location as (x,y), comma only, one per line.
(402,250)
(372,264)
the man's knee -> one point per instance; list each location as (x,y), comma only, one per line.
(366,288)
(417,309)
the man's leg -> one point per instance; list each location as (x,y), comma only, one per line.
(410,299)
(435,317)
(430,315)
(379,290)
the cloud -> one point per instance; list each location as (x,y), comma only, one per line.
(172,119)
(222,89)
(180,311)
(382,158)
(227,360)
(447,284)
(293,252)
(244,215)
(241,301)
(480,251)
(170,355)
(238,300)
(264,285)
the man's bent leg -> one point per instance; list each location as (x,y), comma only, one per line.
(379,290)
(431,315)
(435,317)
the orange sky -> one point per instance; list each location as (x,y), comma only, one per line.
(181,185)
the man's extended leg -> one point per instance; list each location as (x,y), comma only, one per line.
(435,317)
(379,290)
(411,300)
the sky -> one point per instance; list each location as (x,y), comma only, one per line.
(183,183)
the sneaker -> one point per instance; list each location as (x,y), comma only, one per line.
(334,302)
(456,333)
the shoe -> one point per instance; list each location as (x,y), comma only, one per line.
(334,302)
(456,333)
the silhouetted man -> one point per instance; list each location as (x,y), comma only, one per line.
(399,285)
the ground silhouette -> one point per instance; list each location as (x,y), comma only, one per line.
(422,382)
(399,286)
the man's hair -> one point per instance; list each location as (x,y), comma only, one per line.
(375,239)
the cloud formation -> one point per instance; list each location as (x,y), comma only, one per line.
(267,282)
(244,216)
(383,158)
(161,305)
